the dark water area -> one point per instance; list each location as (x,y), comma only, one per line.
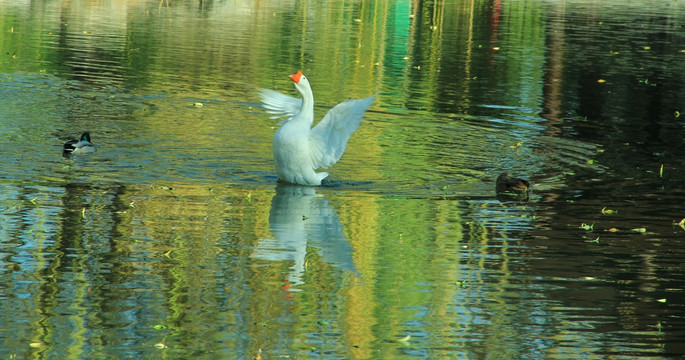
(175,240)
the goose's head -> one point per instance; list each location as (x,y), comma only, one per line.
(301,83)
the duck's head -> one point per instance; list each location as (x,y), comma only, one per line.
(85,136)
(301,82)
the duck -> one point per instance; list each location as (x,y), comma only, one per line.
(300,149)
(506,183)
(83,145)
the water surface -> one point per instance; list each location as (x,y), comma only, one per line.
(174,239)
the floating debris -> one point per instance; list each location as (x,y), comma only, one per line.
(405,340)
(594,241)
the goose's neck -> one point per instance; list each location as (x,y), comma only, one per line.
(307,110)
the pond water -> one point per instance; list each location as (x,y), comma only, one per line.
(175,240)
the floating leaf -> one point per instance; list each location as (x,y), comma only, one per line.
(263,324)
(160,346)
(682,223)
(613,229)
(585,226)
(661,170)
(405,339)
(606,211)
(36,344)
(640,230)
(601,81)
(661,300)
(160,327)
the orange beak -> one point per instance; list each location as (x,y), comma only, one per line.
(296,77)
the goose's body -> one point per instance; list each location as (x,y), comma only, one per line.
(83,145)
(298,148)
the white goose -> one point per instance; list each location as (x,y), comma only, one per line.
(300,149)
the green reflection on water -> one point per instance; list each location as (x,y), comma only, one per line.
(406,254)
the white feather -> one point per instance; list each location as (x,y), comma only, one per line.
(328,139)
(300,149)
(279,105)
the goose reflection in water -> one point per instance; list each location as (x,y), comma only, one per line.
(301,218)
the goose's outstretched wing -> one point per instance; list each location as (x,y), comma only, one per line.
(328,139)
(279,105)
